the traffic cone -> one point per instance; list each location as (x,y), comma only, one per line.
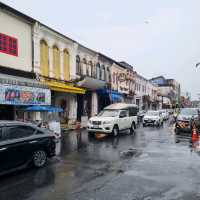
(195,135)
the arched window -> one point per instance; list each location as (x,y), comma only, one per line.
(98,70)
(66,68)
(44,58)
(84,67)
(90,68)
(103,73)
(56,62)
(78,65)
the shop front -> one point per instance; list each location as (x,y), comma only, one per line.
(89,104)
(107,97)
(65,96)
(17,93)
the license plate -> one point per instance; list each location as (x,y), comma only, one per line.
(95,126)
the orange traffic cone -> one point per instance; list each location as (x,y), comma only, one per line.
(195,135)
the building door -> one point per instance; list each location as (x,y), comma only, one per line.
(7,112)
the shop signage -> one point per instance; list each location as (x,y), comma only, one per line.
(23,95)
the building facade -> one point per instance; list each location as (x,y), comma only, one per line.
(19,87)
(168,88)
(55,64)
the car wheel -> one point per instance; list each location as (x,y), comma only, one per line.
(132,129)
(39,158)
(144,125)
(115,131)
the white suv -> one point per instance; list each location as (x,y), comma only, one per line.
(114,118)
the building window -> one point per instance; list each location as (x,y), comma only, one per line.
(66,68)
(78,65)
(8,45)
(56,62)
(89,68)
(98,70)
(84,67)
(44,58)
(103,73)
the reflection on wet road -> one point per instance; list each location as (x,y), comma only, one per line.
(153,164)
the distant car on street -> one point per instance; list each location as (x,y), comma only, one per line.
(184,119)
(165,114)
(153,118)
(22,144)
(113,119)
(140,115)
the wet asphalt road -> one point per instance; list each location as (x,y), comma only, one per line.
(158,166)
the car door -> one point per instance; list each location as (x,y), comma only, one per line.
(123,119)
(19,137)
(4,153)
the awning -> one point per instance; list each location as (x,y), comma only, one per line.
(91,83)
(61,87)
(43,109)
(114,95)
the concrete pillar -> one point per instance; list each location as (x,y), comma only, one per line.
(94,104)
(72,108)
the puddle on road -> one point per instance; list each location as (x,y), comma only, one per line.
(130,153)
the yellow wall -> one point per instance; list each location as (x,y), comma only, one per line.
(66,65)
(56,62)
(44,58)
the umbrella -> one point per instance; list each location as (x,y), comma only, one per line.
(43,109)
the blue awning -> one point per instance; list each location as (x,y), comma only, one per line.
(43,109)
(114,95)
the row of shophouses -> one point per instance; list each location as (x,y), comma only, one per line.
(40,66)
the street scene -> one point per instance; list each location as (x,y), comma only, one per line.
(99,106)
(152,164)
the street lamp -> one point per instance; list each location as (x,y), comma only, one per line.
(197,64)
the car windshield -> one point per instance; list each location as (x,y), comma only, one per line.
(188,111)
(152,113)
(109,113)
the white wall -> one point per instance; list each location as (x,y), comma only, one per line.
(15,27)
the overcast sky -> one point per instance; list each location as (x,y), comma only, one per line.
(156,37)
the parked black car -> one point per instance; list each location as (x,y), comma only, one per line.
(22,144)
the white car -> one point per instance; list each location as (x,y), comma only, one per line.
(154,118)
(165,114)
(114,118)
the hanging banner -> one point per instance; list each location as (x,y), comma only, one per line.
(23,95)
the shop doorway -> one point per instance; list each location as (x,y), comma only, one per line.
(84,105)
(7,112)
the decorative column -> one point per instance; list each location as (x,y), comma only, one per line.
(51,74)
(36,49)
(72,61)
(61,65)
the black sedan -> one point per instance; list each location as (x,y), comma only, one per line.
(22,144)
